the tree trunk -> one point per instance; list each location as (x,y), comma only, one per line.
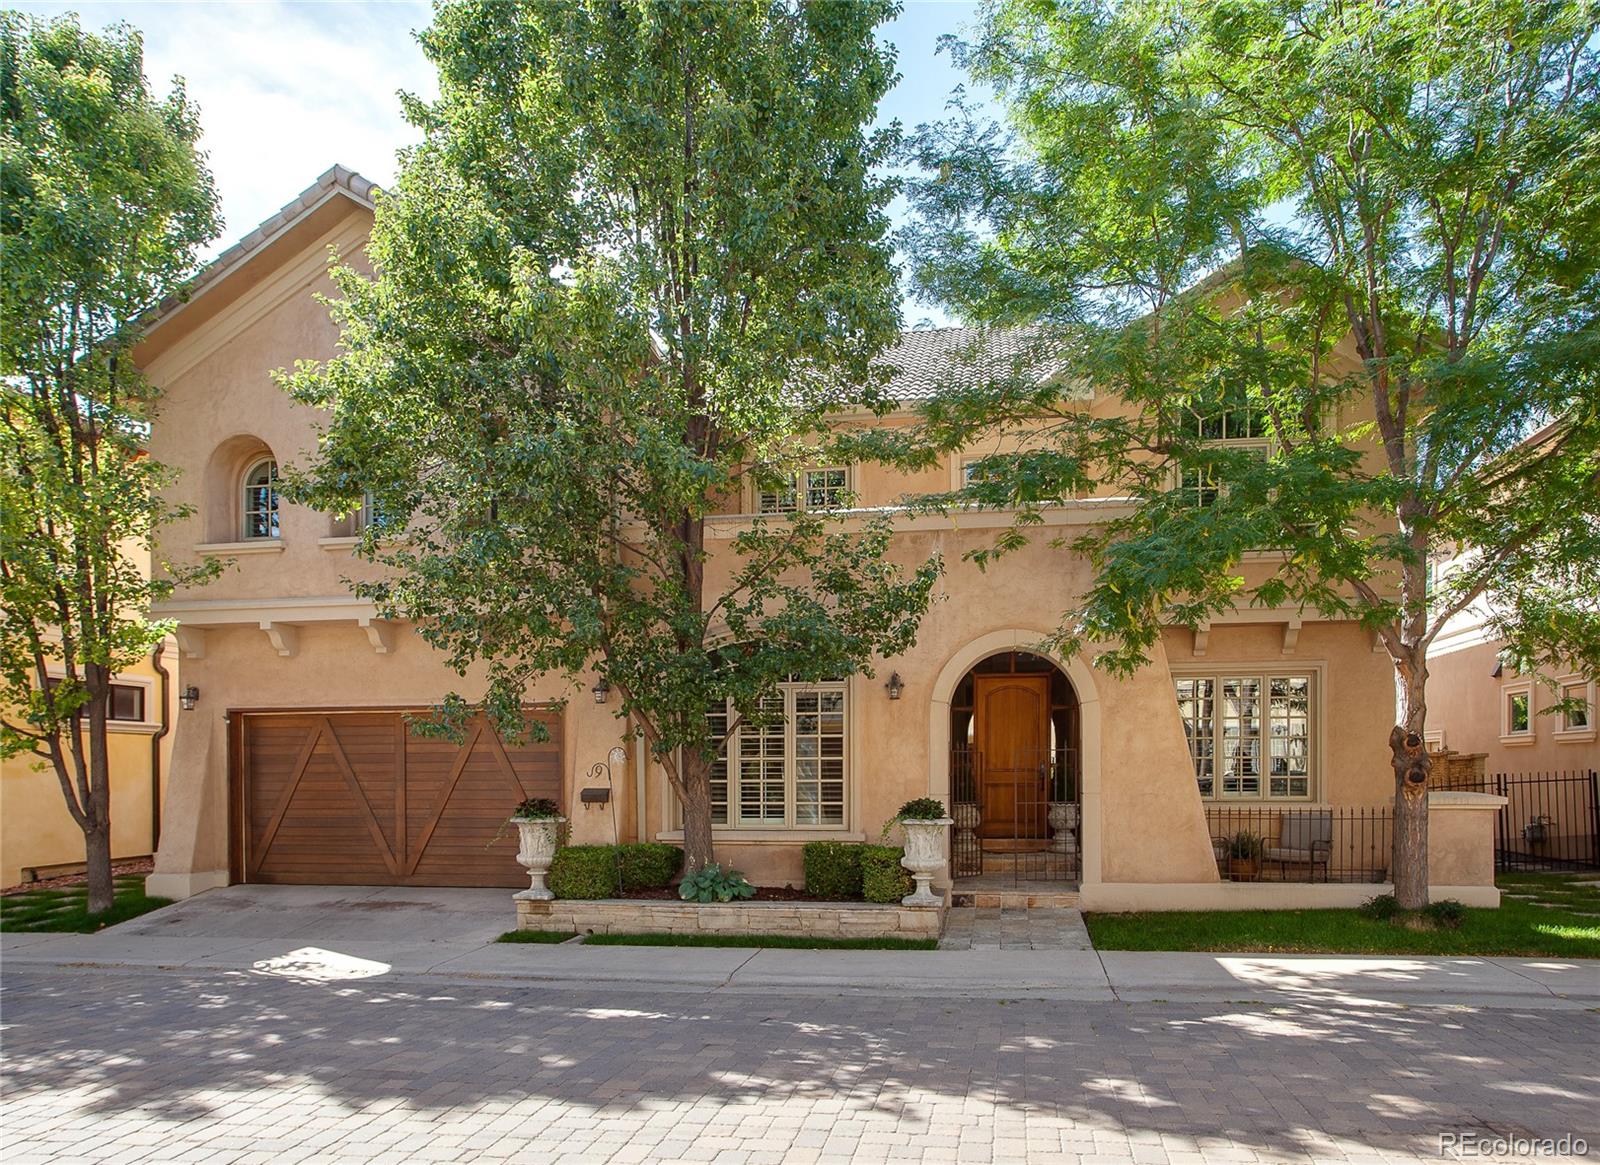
(1409,755)
(97,859)
(697,848)
(97,833)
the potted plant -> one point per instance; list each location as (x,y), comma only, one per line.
(925,823)
(538,821)
(1244,856)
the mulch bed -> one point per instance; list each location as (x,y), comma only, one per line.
(763,894)
(133,866)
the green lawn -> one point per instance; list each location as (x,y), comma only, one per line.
(1540,914)
(786,941)
(533,936)
(62,908)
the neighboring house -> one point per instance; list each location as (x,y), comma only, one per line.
(1530,737)
(38,836)
(296,766)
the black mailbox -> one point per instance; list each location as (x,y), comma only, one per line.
(597,796)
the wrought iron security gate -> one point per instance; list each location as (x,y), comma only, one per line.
(1020,822)
(1550,821)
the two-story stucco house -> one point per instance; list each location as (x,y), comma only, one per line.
(295,764)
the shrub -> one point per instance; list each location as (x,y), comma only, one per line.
(537,809)
(1381,908)
(921,809)
(832,869)
(883,878)
(1445,914)
(710,884)
(584,871)
(1245,845)
(648,865)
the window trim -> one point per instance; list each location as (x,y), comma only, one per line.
(1508,735)
(729,758)
(1316,742)
(1566,732)
(800,487)
(144,727)
(276,507)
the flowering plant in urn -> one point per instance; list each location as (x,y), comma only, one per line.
(925,823)
(538,823)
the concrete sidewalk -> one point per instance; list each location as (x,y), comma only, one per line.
(363,933)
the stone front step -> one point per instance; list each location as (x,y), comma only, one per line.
(1016,899)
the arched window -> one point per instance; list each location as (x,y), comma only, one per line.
(260,501)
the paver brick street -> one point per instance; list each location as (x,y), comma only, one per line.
(241,1067)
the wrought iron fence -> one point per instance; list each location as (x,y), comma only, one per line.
(1550,822)
(1301,844)
(1020,823)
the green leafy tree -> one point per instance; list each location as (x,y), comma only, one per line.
(105,205)
(1337,262)
(639,255)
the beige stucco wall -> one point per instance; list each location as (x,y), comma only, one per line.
(37,831)
(280,630)
(1465,703)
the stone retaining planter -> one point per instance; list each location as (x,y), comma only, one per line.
(800,919)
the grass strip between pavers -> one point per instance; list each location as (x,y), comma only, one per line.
(784,941)
(1560,919)
(64,909)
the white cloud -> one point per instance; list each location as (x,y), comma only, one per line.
(285,89)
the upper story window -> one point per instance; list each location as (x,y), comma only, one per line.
(260,500)
(1242,428)
(791,769)
(1249,734)
(822,488)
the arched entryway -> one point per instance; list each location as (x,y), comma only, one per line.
(1016,769)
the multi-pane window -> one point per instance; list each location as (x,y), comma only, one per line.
(825,488)
(260,502)
(1249,735)
(371,514)
(1197,707)
(788,768)
(1237,428)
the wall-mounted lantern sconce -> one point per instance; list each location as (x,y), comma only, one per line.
(895,685)
(602,690)
(188,698)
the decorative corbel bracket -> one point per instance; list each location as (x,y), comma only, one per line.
(380,633)
(1291,634)
(191,642)
(1202,636)
(284,637)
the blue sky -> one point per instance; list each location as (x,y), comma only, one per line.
(286,89)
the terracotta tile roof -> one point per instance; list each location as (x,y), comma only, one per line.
(930,360)
(334,182)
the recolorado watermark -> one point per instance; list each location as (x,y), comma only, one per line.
(1481,1143)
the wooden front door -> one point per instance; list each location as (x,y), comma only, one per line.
(353,798)
(1011,730)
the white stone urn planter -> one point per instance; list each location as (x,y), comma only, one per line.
(1063,818)
(924,856)
(537,849)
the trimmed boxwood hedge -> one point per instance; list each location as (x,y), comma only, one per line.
(597,871)
(648,865)
(883,878)
(832,869)
(584,871)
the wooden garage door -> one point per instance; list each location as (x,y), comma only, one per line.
(353,798)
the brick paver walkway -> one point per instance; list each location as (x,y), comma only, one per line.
(972,928)
(232,1067)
